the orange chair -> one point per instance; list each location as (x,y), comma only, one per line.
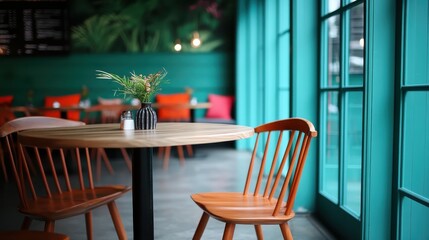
(53,197)
(6,113)
(273,197)
(170,110)
(71,100)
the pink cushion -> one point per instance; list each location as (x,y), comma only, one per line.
(220,106)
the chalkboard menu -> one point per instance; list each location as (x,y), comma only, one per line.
(34,28)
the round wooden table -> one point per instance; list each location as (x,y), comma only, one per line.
(142,141)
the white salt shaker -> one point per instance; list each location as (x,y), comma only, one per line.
(127,121)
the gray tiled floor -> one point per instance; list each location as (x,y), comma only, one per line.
(176,215)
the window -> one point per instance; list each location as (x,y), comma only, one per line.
(341,103)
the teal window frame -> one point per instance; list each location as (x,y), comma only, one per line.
(342,89)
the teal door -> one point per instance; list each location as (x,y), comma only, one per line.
(412,183)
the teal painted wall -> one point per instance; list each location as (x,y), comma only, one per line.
(379,119)
(203,72)
(304,89)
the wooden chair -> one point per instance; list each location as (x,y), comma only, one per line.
(3,166)
(273,197)
(50,194)
(110,111)
(6,114)
(170,109)
(31,235)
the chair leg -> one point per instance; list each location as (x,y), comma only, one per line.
(229,231)
(116,218)
(3,165)
(181,154)
(126,158)
(189,150)
(26,223)
(201,226)
(161,152)
(287,234)
(106,161)
(94,153)
(166,157)
(49,226)
(88,222)
(98,163)
(259,234)
(101,153)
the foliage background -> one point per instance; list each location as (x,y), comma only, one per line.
(101,26)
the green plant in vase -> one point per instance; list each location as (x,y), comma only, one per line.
(142,87)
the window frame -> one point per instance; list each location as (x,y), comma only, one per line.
(343,87)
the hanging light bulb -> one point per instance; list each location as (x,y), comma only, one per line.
(196,41)
(178,46)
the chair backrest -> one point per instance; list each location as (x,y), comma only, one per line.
(71,100)
(111,109)
(6,114)
(298,134)
(170,109)
(46,171)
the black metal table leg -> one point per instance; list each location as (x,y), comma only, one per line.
(142,180)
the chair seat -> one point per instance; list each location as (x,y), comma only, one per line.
(73,202)
(32,235)
(238,208)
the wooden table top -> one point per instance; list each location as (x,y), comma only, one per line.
(111,136)
(200,105)
(98,107)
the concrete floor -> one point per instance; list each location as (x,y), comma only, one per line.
(176,216)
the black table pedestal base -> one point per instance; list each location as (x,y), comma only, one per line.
(142,181)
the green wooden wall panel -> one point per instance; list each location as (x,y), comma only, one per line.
(205,73)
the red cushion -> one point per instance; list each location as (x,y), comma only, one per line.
(71,100)
(5,113)
(220,106)
(173,114)
(6,100)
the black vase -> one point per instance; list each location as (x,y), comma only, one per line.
(145,117)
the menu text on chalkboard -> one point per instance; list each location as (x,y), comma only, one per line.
(34,28)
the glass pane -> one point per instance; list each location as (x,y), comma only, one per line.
(415,151)
(356,46)
(353,151)
(330,145)
(331,5)
(414,220)
(332,53)
(417,43)
(345,2)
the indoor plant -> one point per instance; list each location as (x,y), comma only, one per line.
(142,87)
